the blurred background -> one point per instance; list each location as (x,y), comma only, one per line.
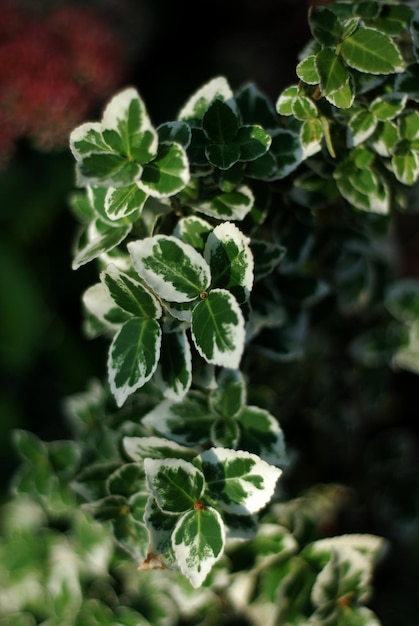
(60,61)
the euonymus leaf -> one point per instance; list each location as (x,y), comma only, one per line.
(238,481)
(174,372)
(160,526)
(107,169)
(198,542)
(229,397)
(266,257)
(368,50)
(286,99)
(405,164)
(103,315)
(123,201)
(196,106)
(223,155)
(194,231)
(220,122)
(127,129)
(178,132)
(218,329)
(255,107)
(139,448)
(87,138)
(229,256)
(325,26)
(261,434)
(234,205)
(98,239)
(225,432)
(253,141)
(303,108)
(187,422)
(173,269)
(175,484)
(332,72)
(388,106)
(168,173)
(343,98)
(133,356)
(307,70)
(286,147)
(360,127)
(129,294)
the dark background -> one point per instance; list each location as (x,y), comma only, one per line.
(172,49)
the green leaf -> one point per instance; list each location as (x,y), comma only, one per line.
(218,329)
(303,108)
(168,173)
(123,201)
(234,205)
(173,269)
(266,256)
(285,100)
(220,122)
(229,397)
(325,26)
(402,300)
(127,129)
(129,294)
(311,135)
(360,127)
(405,164)
(107,169)
(139,448)
(262,435)
(198,543)
(409,125)
(193,230)
(255,107)
(230,258)
(196,106)
(332,72)
(174,372)
(175,484)
(160,527)
(101,313)
(343,98)
(187,422)
(388,106)
(87,138)
(223,155)
(307,70)
(133,357)
(286,146)
(98,239)
(368,50)
(385,138)
(240,482)
(178,132)
(225,432)
(253,141)
(126,480)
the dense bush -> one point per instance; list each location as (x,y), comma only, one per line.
(248,290)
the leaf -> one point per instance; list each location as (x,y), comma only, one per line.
(371,51)
(107,169)
(196,106)
(178,132)
(229,397)
(160,527)
(286,146)
(332,72)
(325,26)
(133,357)
(87,138)
(261,435)
(405,164)
(127,480)
(255,107)
(123,201)
(311,135)
(130,294)
(253,141)
(343,98)
(220,122)
(175,484)
(286,99)
(225,432)
(234,205)
(266,256)
(303,108)
(187,422)
(127,129)
(193,230)
(168,173)
(360,127)
(223,155)
(388,106)
(218,329)
(139,448)
(101,313)
(100,238)
(173,269)
(198,542)
(240,482)
(307,70)
(230,258)
(174,372)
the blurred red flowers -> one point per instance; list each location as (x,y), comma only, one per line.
(54,68)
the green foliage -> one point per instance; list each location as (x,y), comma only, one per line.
(233,245)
